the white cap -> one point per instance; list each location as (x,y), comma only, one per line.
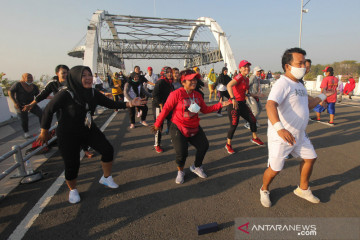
(257,68)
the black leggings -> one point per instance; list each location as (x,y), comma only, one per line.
(144,110)
(70,144)
(24,116)
(180,143)
(156,112)
(243,111)
(222,95)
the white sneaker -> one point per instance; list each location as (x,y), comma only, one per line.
(198,171)
(180,177)
(74,196)
(109,182)
(306,194)
(247,125)
(219,115)
(265,198)
(26,135)
(144,123)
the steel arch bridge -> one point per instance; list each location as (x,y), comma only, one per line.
(135,37)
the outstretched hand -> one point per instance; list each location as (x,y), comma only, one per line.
(44,136)
(154,129)
(224,104)
(138,101)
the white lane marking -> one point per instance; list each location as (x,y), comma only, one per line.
(30,218)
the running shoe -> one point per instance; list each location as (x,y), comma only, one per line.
(158,149)
(89,154)
(144,123)
(265,198)
(330,123)
(315,119)
(306,194)
(109,182)
(229,149)
(26,135)
(247,125)
(219,115)
(198,171)
(257,141)
(180,177)
(132,126)
(74,196)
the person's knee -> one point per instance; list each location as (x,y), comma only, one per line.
(310,161)
(108,154)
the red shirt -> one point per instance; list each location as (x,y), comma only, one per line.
(240,88)
(178,102)
(330,82)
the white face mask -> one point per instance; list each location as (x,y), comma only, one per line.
(324,74)
(29,83)
(194,108)
(298,73)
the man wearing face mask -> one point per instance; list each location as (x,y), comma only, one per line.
(22,93)
(288,112)
(329,82)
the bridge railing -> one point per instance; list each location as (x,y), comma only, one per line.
(20,160)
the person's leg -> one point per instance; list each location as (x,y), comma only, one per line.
(69,148)
(158,133)
(210,92)
(201,144)
(220,99)
(246,113)
(306,167)
(36,110)
(268,177)
(144,110)
(180,144)
(24,117)
(97,140)
(234,121)
(132,115)
(331,110)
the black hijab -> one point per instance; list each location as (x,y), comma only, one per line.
(135,85)
(82,95)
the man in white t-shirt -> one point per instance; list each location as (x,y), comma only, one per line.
(288,112)
(151,78)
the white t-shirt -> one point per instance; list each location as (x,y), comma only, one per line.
(153,78)
(293,109)
(97,80)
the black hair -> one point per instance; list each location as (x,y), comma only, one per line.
(308,60)
(224,69)
(331,71)
(287,57)
(136,67)
(58,67)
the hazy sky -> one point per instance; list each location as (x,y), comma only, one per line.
(37,34)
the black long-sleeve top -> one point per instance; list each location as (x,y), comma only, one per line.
(161,92)
(72,114)
(52,87)
(21,96)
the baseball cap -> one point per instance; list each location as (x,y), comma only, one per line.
(243,63)
(149,68)
(328,69)
(257,68)
(190,76)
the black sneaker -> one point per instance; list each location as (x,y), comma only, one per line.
(315,119)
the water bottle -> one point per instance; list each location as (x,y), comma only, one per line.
(28,167)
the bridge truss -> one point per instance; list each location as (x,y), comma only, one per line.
(135,37)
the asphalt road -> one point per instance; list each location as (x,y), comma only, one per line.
(149,205)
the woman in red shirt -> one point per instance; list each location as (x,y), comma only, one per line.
(185,103)
(238,89)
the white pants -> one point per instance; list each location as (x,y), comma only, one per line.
(279,150)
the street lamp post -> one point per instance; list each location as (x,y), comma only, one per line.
(301,15)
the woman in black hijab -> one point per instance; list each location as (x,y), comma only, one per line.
(77,104)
